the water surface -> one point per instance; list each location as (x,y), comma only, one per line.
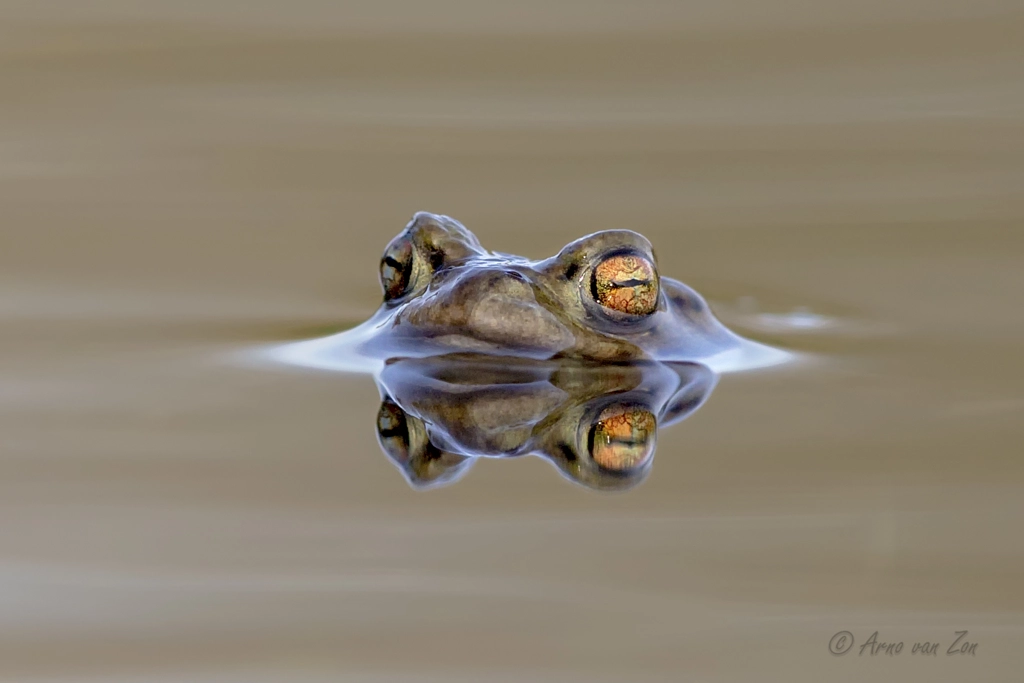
(184,181)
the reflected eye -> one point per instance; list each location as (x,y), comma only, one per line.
(626,283)
(622,438)
(396,268)
(393,431)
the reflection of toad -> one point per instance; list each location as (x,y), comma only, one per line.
(596,423)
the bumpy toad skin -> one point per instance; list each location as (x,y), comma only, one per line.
(600,298)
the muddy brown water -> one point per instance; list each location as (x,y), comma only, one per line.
(182,181)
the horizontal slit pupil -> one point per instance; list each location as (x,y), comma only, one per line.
(628,283)
(627,442)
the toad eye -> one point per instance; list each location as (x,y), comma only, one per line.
(626,283)
(396,268)
(622,438)
(393,431)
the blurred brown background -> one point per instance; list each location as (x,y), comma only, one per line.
(180,181)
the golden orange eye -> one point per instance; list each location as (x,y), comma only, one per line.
(626,283)
(396,268)
(623,438)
